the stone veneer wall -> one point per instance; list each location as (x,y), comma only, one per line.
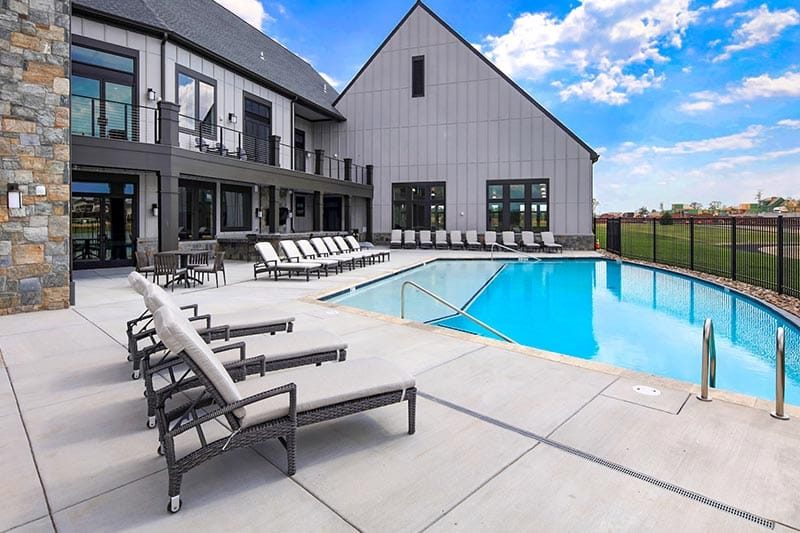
(34,148)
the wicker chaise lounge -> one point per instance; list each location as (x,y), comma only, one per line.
(270,262)
(472,240)
(396,239)
(261,408)
(529,243)
(338,251)
(549,242)
(456,242)
(425,241)
(276,353)
(140,330)
(441,239)
(409,239)
(310,252)
(355,246)
(509,240)
(489,239)
(293,254)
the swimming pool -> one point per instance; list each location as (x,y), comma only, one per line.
(618,313)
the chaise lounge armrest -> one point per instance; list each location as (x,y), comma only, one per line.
(146,315)
(289,388)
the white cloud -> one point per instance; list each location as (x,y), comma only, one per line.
(754,88)
(722,4)
(687,69)
(737,161)
(761,27)
(333,82)
(789,123)
(597,42)
(251,11)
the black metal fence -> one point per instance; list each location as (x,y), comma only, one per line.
(763,251)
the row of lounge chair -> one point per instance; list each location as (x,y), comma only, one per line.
(317,256)
(529,242)
(208,382)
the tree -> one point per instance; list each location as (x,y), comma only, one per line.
(642,211)
(666,219)
(696,205)
(595,205)
(715,205)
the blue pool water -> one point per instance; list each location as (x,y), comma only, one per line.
(622,314)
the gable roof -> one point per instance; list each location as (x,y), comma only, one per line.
(220,35)
(419,5)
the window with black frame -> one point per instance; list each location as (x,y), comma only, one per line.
(235,203)
(196,218)
(418,206)
(517,205)
(102,91)
(197,96)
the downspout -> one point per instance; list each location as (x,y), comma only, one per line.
(160,139)
(163,64)
(293,157)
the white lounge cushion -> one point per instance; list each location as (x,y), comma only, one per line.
(156,297)
(298,344)
(178,335)
(138,282)
(323,386)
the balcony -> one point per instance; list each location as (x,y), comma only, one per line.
(120,121)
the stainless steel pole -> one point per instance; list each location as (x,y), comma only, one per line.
(708,334)
(780,374)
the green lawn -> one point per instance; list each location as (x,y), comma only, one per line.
(712,250)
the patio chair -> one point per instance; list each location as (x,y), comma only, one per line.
(396,240)
(425,239)
(529,244)
(441,240)
(167,265)
(549,242)
(263,408)
(277,353)
(143,264)
(455,240)
(409,239)
(310,254)
(293,254)
(489,238)
(270,262)
(215,268)
(338,251)
(472,240)
(345,246)
(356,247)
(509,240)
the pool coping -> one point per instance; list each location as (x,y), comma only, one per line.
(322,298)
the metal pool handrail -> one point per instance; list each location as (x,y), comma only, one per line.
(503,246)
(780,374)
(708,373)
(444,302)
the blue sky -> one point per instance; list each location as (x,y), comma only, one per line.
(685,100)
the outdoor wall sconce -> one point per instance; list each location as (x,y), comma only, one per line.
(155,210)
(14,196)
(259,212)
(232,118)
(151,94)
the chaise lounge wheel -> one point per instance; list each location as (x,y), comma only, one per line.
(130,357)
(174,504)
(160,450)
(151,422)
(135,374)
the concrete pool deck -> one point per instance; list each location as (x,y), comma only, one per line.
(508,438)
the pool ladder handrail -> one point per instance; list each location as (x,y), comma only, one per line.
(503,246)
(780,374)
(444,302)
(708,372)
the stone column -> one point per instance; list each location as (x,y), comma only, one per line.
(35,258)
(273,209)
(347,225)
(168,207)
(319,158)
(368,204)
(168,123)
(275,150)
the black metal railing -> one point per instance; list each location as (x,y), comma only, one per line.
(228,142)
(759,250)
(108,119)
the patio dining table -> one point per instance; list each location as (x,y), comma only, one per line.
(184,257)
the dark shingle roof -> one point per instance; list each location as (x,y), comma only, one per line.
(211,27)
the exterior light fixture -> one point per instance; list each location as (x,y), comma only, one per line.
(259,212)
(14,196)
(155,210)
(151,94)
(232,118)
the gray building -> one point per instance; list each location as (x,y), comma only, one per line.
(187,124)
(457,144)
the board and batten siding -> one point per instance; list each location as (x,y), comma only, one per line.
(471,126)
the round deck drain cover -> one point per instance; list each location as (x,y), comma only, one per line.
(646,391)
